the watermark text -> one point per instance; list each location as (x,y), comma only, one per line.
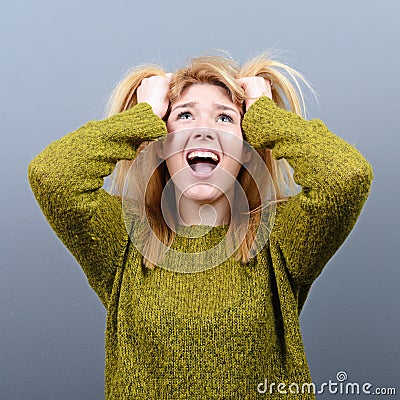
(339,386)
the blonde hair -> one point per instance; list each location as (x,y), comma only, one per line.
(222,71)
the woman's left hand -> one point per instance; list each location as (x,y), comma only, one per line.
(255,87)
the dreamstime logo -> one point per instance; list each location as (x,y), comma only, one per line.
(341,376)
(340,386)
(204,165)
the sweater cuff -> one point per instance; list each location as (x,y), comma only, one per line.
(264,123)
(152,126)
(141,122)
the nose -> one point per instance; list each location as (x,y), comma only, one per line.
(203,134)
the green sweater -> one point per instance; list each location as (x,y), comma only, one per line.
(219,333)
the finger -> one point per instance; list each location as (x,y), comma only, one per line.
(242,82)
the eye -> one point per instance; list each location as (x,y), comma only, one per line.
(224,118)
(185,115)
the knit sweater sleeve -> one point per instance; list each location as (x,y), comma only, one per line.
(335,180)
(67,179)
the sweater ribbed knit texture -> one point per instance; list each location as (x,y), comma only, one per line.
(218,333)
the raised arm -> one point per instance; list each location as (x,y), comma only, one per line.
(335,180)
(67,179)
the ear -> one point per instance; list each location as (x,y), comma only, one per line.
(160,150)
(246,154)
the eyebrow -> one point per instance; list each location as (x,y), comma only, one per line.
(223,107)
(185,105)
(216,105)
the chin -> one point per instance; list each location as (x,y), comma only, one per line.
(202,192)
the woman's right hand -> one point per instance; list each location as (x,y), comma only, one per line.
(154,91)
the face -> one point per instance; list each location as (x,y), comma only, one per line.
(204,147)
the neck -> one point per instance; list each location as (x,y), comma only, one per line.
(198,212)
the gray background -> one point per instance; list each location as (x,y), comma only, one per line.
(59,63)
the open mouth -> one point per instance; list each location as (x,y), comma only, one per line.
(202,161)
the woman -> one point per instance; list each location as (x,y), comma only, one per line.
(221,331)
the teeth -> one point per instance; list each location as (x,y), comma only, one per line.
(203,154)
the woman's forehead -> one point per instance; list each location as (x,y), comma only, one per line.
(204,93)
